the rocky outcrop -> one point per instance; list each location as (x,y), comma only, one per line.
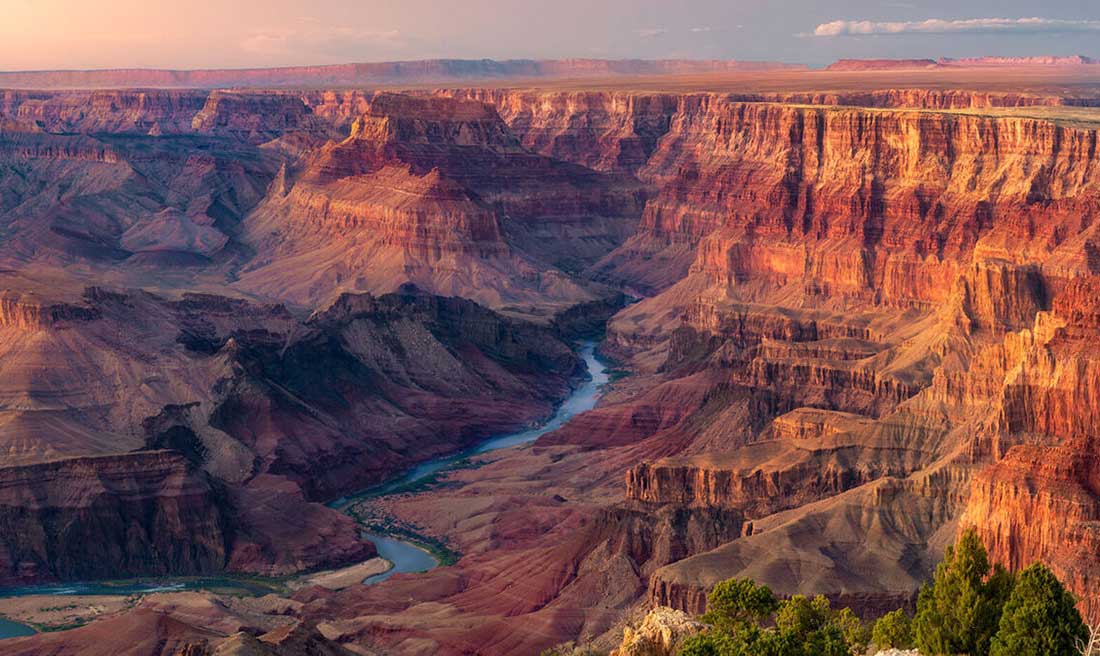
(25,312)
(659,634)
(138,112)
(437,192)
(109,517)
(255,117)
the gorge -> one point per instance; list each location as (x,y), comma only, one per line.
(844,314)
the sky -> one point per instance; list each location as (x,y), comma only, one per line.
(81,34)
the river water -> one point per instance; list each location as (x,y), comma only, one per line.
(9,629)
(581,400)
(409,558)
(405,556)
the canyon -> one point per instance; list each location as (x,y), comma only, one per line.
(850,312)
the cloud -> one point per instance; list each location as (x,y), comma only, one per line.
(651,33)
(941,26)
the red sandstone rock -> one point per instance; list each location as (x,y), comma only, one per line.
(868,319)
(439,193)
(109,517)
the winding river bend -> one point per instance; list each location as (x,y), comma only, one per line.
(405,556)
(410,558)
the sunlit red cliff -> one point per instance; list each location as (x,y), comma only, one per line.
(864,316)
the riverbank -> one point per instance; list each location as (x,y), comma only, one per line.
(346,577)
(53,613)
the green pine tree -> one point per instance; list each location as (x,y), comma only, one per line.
(960,611)
(1040,618)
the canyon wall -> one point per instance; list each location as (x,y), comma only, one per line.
(863,319)
(1039,500)
(439,193)
(895,296)
(304,195)
(109,517)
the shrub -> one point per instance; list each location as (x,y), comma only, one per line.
(1039,618)
(894,630)
(857,635)
(806,627)
(720,643)
(803,626)
(738,603)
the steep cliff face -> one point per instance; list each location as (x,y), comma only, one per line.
(838,189)
(28,313)
(438,192)
(809,193)
(603,131)
(1039,500)
(115,112)
(608,130)
(865,308)
(922,98)
(109,517)
(811,455)
(1042,504)
(255,117)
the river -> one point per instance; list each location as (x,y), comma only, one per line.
(405,556)
(410,558)
(9,629)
